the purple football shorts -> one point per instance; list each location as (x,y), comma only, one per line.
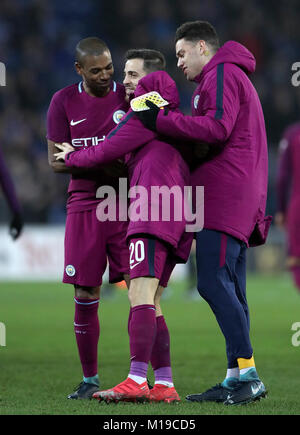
(89,245)
(150,257)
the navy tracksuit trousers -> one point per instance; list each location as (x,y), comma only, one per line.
(221,272)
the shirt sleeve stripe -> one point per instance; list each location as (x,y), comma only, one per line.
(130,115)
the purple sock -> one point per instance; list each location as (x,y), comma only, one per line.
(129,319)
(142,332)
(87,331)
(160,357)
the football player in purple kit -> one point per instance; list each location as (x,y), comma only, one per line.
(227,115)
(83,114)
(288,195)
(155,246)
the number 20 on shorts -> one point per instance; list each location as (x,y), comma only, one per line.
(137,252)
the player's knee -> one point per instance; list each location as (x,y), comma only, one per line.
(136,292)
(130,297)
(206,285)
(157,298)
(158,310)
(157,305)
(158,294)
(202,292)
(86,292)
(203,281)
(142,290)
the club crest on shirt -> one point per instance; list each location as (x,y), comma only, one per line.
(70,270)
(118,115)
(196,101)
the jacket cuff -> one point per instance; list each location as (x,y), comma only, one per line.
(162,122)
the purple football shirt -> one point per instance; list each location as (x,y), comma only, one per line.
(84,121)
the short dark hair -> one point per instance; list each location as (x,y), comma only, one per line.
(154,60)
(92,46)
(196,30)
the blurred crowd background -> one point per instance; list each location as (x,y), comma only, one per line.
(37,41)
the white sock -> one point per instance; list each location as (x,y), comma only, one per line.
(233,373)
(138,379)
(244,371)
(166,383)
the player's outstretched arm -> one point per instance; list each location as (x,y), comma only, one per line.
(128,136)
(213,126)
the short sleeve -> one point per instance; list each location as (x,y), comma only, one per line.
(58,129)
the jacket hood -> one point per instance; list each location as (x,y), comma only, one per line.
(161,82)
(231,52)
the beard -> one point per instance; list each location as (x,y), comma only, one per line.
(99,90)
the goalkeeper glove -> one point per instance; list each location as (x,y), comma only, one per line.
(148,117)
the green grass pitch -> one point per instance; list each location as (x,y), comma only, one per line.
(39,365)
